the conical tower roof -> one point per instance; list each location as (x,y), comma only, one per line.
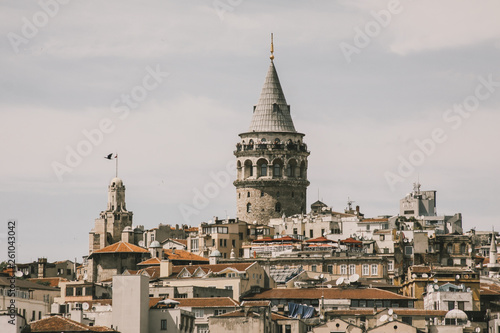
(272,113)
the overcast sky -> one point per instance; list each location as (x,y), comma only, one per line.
(171,84)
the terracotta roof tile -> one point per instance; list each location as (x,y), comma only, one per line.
(333,293)
(182,255)
(121,247)
(58,323)
(154,300)
(241,267)
(150,262)
(52,282)
(206,302)
(255,303)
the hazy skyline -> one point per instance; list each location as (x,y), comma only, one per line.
(170,85)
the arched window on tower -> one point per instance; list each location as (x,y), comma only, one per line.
(277,168)
(277,207)
(303,170)
(249,207)
(290,168)
(248,169)
(262,167)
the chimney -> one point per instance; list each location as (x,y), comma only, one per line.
(165,268)
(42,262)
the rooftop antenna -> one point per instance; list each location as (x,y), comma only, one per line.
(272,48)
(349,203)
(116,165)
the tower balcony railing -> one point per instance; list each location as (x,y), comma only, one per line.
(302,147)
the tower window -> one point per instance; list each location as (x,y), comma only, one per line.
(261,193)
(248,194)
(277,170)
(249,207)
(239,195)
(277,194)
(277,207)
(292,194)
(263,170)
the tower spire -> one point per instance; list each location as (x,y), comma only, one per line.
(272,48)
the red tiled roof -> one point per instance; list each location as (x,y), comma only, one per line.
(375,220)
(121,247)
(240,267)
(263,240)
(420,269)
(53,281)
(153,271)
(351,241)
(239,313)
(154,300)
(150,262)
(206,302)
(333,293)
(256,303)
(401,312)
(61,324)
(286,239)
(183,255)
(320,240)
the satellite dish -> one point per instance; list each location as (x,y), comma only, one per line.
(470,251)
(347,281)
(18,274)
(435,280)
(477,329)
(390,318)
(462,286)
(383,318)
(390,312)
(468,290)
(141,243)
(85,276)
(85,306)
(321,276)
(436,287)
(395,316)
(457,277)
(339,281)
(353,278)
(425,275)
(254,222)
(414,276)
(329,286)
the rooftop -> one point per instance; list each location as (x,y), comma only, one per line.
(328,293)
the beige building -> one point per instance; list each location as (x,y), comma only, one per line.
(240,277)
(31,300)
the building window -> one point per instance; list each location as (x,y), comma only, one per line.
(218,312)
(277,207)
(314,268)
(288,328)
(374,269)
(451,305)
(163,324)
(366,269)
(311,234)
(88,291)
(407,320)
(449,249)
(390,265)
(343,269)
(461,306)
(69,291)
(352,269)
(329,269)
(409,250)
(194,245)
(249,207)
(293,194)
(78,291)
(462,248)
(261,193)
(198,313)
(248,194)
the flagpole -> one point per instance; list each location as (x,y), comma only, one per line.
(116,165)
